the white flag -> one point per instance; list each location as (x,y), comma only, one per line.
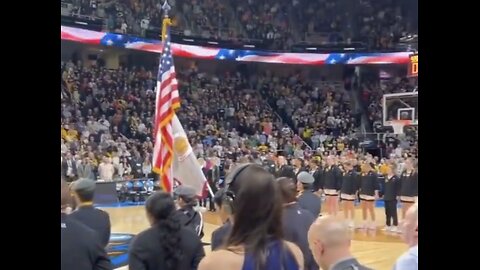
(186,169)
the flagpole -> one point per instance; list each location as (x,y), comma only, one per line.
(210,190)
(166,22)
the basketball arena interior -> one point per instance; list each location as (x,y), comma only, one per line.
(173,97)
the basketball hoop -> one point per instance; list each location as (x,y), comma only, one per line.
(398,125)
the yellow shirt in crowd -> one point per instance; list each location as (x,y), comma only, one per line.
(307,133)
(383,169)
(340,146)
(263,148)
(69,135)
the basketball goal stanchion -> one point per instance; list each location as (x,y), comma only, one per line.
(398,125)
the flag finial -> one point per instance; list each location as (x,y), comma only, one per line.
(166,8)
(166,20)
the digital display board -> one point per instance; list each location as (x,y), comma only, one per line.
(413,65)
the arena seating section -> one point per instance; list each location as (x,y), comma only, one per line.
(378,24)
(109,113)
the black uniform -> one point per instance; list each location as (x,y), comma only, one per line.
(146,252)
(409,184)
(192,219)
(391,190)
(286,171)
(368,184)
(219,236)
(296,223)
(350,184)
(349,264)
(332,178)
(96,220)
(80,247)
(311,202)
(318,175)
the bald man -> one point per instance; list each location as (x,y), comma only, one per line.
(329,240)
(409,227)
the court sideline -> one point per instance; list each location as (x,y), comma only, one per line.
(377,250)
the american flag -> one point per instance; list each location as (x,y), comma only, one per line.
(167,100)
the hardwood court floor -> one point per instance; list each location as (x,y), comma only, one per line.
(377,250)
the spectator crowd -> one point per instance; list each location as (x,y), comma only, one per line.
(378,24)
(107,118)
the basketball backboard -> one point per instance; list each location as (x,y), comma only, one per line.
(400,106)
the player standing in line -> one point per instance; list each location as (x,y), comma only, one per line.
(409,186)
(369,188)
(331,187)
(348,190)
(390,193)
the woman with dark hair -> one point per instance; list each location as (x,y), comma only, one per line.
(166,244)
(256,240)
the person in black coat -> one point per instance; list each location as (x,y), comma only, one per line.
(298,167)
(306,198)
(284,170)
(391,191)
(189,217)
(81,248)
(296,220)
(95,219)
(166,245)
(212,174)
(220,235)
(317,173)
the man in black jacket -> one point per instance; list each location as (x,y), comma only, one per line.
(80,247)
(306,198)
(189,217)
(284,170)
(95,219)
(220,234)
(296,220)
(298,167)
(317,172)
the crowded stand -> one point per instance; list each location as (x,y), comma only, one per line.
(266,21)
(313,108)
(378,24)
(107,119)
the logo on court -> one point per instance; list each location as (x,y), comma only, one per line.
(117,249)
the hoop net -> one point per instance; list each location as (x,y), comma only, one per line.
(398,125)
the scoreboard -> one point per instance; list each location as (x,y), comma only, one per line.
(413,65)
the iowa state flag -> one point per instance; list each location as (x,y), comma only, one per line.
(186,168)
